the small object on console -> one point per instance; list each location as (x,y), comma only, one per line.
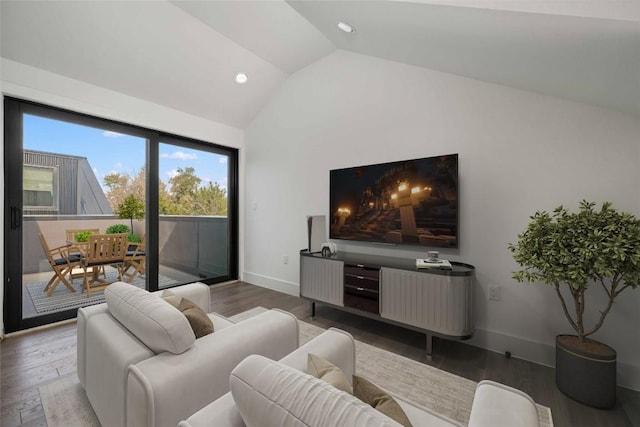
(441,264)
(433,256)
(329,249)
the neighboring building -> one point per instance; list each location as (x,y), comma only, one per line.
(61,184)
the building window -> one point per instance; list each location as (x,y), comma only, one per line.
(40,187)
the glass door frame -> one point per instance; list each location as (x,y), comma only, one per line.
(14,109)
(232,199)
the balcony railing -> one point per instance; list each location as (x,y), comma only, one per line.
(197,245)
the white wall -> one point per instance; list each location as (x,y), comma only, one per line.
(29,83)
(518,152)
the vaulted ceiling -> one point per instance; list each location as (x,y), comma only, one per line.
(184,54)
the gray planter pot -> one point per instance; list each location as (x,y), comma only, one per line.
(586,372)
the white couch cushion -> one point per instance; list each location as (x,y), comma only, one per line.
(270,394)
(156,323)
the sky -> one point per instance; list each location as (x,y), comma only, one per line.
(109,152)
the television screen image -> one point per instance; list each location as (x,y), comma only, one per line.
(406,202)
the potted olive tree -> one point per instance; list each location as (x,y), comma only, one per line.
(572,252)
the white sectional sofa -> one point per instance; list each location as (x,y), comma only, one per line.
(133,384)
(269,394)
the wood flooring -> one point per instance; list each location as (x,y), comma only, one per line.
(29,360)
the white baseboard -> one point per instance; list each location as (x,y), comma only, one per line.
(272,283)
(628,376)
(543,354)
(532,351)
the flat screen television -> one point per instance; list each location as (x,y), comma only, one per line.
(411,202)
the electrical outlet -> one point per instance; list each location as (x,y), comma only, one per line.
(285,259)
(494,293)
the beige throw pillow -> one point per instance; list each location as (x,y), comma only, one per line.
(198,319)
(328,372)
(369,393)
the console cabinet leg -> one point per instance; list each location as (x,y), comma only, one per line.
(429,345)
(313,310)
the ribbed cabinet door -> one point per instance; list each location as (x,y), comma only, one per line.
(438,303)
(322,280)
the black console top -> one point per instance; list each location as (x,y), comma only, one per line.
(376,261)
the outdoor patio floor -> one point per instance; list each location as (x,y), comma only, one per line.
(29,308)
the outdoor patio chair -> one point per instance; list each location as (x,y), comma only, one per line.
(62,264)
(134,260)
(71,233)
(102,250)
(74,250)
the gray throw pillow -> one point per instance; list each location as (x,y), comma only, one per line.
(198,319)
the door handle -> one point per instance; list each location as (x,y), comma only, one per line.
(16,218)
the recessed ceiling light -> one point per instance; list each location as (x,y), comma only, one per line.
(241,78)
(346,27)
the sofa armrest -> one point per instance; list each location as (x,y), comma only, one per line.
(196,292)
(334,345)
(109,350)
(84,314)
(167,388)
(496,404)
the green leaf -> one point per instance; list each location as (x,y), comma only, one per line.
(575,249)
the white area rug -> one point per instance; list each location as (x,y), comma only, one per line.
(65,403)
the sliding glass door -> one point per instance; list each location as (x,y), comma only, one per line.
(193,196)
(70,177)
(76,180)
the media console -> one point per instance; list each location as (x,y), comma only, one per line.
(434,301)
